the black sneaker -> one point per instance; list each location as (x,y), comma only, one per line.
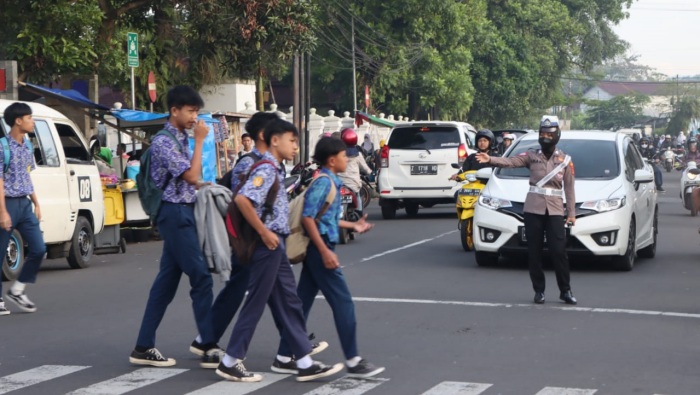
(364,369)
(22,301)
(539,297)
(568,297)
(317,347)
(151,357)
(197,348)
(237,372)
(212,358)
(318,370)
(284,367)
(3,309)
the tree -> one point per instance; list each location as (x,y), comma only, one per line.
(686,108)
(616,113)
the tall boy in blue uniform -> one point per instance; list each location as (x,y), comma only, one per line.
(321,270)
(178,172)
(271,278)
(16,190)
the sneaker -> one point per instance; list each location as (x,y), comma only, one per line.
(22,301)
(237,372)
(661,189)
(151,357)
(317,347)
(3,309)
(284,367)
(212,358)
(364,369)
(197,348)
(318,370)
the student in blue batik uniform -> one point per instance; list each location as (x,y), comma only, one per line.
(179,172)
(271,278)
(321,270)
(16,212)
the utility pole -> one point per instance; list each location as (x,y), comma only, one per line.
(354,71)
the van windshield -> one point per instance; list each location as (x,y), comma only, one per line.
(424,137)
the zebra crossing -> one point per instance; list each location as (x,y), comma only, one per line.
(140,378)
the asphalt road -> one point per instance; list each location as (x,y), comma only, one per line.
(440,324)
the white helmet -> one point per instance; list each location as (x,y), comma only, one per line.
(508,136)
(668,136)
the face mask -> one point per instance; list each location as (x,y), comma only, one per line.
(546,143)
(644,146)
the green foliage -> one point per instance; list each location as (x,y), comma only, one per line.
(616,113)
(686,108)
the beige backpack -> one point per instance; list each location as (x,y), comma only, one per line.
(297,241)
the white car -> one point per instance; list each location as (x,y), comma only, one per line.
(616,201)
(416,164)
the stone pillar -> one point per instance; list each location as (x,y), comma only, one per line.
(8,86)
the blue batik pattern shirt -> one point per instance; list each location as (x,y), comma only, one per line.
(242,167)
(314,199)
(17,180)
(256,189)
(169,157)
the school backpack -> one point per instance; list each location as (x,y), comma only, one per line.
(7,154)
(298,240)
(151,194)
(242,236)
(226,179)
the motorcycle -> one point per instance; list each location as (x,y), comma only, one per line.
(349,212)
(366,191)
(467,197)
(690,181)
(669,158)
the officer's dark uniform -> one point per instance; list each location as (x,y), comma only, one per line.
(544,211)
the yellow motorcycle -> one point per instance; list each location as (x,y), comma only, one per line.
(467,197)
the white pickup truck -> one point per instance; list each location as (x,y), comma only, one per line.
(68,186)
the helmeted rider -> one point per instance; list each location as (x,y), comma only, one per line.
(646,148)
(484,143)
(356,165)
(507,142)
(693,155)
(668,142)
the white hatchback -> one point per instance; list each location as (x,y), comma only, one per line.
(416,164)
(616,202)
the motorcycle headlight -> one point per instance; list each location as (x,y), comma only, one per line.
(493,203)
(470,177)
(604,205)
(691,176)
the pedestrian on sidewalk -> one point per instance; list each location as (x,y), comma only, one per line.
(16,198)
(271,280)
(321,269)
(178,171)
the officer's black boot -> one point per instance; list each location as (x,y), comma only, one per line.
(539,297)
(568,297)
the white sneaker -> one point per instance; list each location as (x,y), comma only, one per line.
(3,309)
(22,301)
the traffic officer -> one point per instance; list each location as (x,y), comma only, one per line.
(551,179)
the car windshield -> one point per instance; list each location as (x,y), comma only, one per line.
(424,137)
(593,159)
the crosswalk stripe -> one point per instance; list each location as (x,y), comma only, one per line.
(565,391)
(35,376)
(347,386)
(128,382)
(457,388)
(232,388)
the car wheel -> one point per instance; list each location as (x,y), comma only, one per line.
(626,262)
(122,245)
(366,195)
(82,245)
(486,258)
(650,250)
(388,212)
(466,234)
(14,257)
(412,210)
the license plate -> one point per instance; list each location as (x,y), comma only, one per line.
(469,192)
(422,170)
(346,199)
(523,237)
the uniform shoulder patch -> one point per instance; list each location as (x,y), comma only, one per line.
(258,181)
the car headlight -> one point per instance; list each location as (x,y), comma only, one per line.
(604,205)
(691,176)
(493,203)
(471,177)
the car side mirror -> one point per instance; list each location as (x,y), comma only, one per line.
(456,166)
(485,173)
(642,176)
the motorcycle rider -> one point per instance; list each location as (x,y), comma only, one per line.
(693,155)
(484,143)
(649,152)
(507,142)
(668,142)
(356,165)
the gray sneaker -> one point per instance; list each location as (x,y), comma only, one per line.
(364,369)
(22,301)
(3,309)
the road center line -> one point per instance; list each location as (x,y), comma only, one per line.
(381,254)
(528,306)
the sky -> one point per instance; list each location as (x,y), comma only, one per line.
(664,34)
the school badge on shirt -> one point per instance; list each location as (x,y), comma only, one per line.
(257,182)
